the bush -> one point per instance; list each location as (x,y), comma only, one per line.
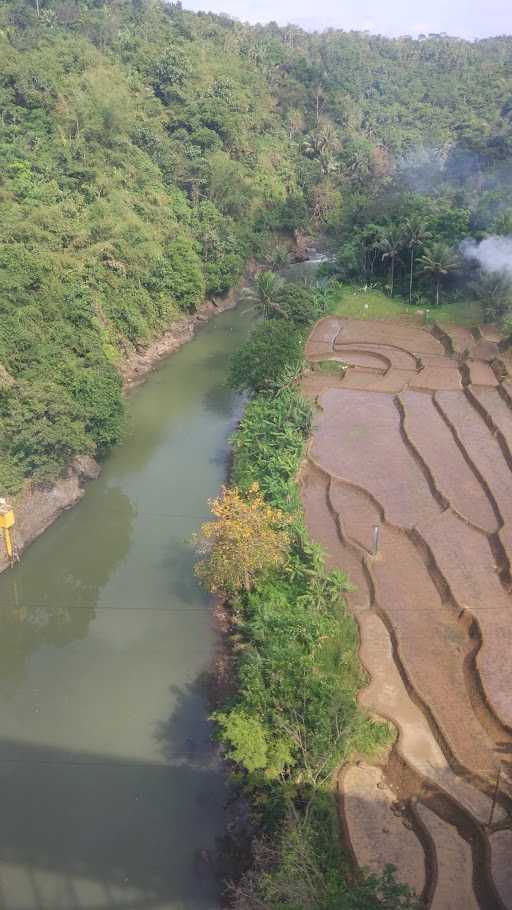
(300,869)
(294,716)
(97,390)
(273,353)
(11,476)
(223,273)
(302,305)
(268,446)
(43,429)
(494,291)
(178,276)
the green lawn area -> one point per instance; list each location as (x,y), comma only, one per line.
(374,304)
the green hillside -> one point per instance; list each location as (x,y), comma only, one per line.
(148,152)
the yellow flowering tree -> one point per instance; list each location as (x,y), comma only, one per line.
(247,537)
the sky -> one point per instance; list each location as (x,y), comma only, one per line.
(465,18)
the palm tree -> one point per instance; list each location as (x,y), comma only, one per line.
(276,254)
(494,291)
(371,237)
(265,294)
(324,144)
(438,260)
(415,235)
(390,247)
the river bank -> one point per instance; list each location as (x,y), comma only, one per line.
(109,777)
(293,674)
(38,507)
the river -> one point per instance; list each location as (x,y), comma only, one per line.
(109,786)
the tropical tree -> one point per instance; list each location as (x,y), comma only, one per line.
(494,291)
(276,254)
(247,537)
(390,247)
(415,235)
(265,294)
(270,359)
(438,260)
(324,144)
(371,238)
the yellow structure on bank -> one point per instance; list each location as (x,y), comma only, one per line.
(7,522)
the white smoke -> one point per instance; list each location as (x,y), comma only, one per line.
(494,254)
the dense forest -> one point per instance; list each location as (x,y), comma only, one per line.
(148,153)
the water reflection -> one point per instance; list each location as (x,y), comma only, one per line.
(186,736)
(108,789)
(61,611)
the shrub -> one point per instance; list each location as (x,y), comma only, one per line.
(303,305)
(178,276)
(269,443)
(273,352)
(11,476)
(294,716)
(222,273)
(43,429)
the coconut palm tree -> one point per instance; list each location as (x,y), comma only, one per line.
(415,235)
(371,238)
(324,144)
(438,260)
(390,246)
(265,294)
(276,254)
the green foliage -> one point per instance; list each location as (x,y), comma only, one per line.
(438,261)
(336,367)
(43,428)
(266,293)
(141,155)
(11,475)
(295,716)
(269,359)
(301,870)
(249,746)
(268,446)
(303,305)
(494,291)
(148,152)
(177,277)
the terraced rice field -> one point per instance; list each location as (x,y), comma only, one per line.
(416,440)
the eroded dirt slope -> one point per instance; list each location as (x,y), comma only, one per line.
(416,440)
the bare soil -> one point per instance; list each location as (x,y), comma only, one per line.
(416,439)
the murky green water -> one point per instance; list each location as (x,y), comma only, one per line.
(108,785)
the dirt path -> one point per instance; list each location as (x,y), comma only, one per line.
(416,440)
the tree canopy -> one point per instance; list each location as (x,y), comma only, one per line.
(148,152)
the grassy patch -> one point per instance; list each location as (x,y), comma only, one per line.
(329,366)
(357,303)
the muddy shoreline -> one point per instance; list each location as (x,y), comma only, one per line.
(37,507)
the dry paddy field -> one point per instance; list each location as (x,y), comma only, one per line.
(416,440)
